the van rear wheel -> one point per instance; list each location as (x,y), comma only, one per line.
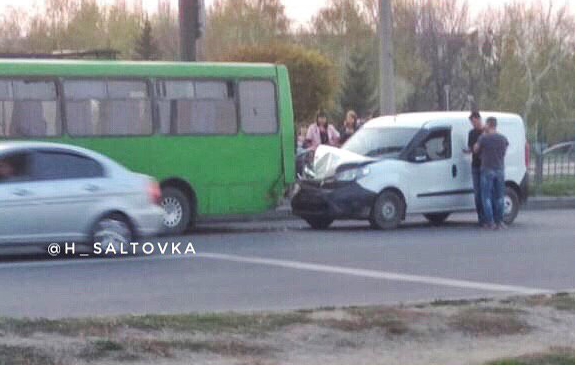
(388,211)
(319,222)
(510,205)
(437,219)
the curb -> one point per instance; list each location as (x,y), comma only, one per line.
(548,203)
(284,211)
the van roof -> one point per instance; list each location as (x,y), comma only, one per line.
(418,120)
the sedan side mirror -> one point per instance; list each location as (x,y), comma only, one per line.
(419,155)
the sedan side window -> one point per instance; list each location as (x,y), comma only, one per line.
(438,146)
(55,165)
(14,167)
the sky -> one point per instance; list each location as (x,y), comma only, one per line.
(299,10)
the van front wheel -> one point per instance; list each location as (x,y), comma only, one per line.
(388,211)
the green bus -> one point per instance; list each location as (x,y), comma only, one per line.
(219,137)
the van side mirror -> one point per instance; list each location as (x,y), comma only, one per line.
(418,155)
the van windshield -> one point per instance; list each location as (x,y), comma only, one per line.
(380,142)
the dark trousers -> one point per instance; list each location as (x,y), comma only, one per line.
(476,172)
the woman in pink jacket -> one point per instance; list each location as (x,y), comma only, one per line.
(321,132)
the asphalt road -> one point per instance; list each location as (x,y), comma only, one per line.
(284,265)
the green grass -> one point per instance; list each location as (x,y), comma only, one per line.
(553,357)
(560,301)
(392,321)
(102,348)
(560,187)
(189,323)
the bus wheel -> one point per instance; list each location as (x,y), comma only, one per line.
(177,211)
(510,205)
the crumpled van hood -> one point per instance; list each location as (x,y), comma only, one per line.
(327,159)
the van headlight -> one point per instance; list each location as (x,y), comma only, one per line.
(352,174)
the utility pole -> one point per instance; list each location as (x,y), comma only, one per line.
(386,68)
(189,25)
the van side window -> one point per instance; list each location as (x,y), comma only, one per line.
(438,145)
(29,108)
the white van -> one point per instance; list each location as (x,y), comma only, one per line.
(406,164)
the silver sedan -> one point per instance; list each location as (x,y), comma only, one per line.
(58,193)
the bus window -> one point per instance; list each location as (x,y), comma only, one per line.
(196,107)
(29,108)
(258,107)
(107,108)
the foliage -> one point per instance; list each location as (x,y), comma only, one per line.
(146,47)
(242,23)
(519,57)
(311,74)
(358,91)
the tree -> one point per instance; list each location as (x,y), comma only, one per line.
(11,31)
(311,74)
(358,91)
(338,28)
(146,48)
(166,30)
(233,23)
(536,66)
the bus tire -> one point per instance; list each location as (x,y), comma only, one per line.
(177,211)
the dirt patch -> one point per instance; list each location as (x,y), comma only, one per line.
(490,321)
(392,321)
(442,332)
(24,355)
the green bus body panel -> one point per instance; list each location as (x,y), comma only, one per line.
(287,128)
(242,173)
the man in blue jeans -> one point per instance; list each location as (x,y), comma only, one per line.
(491,148)
(472,138)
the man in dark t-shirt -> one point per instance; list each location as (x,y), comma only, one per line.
(472,138)
(492,147)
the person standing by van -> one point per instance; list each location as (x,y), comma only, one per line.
(349,126)
(472,138)
(321,132)
(492,147)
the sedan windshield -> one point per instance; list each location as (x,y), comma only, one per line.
(380,142)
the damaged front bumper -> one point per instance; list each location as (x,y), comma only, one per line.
(338,200)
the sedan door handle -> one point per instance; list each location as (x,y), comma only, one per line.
(91,188)
(22,192)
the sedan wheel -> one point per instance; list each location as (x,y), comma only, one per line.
(113,230)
